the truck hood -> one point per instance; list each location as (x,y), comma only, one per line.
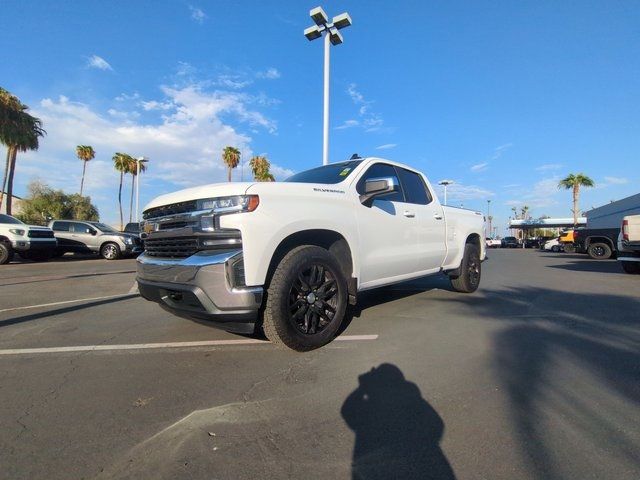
(195,193)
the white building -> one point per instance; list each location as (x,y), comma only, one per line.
(610,215)
(15,204)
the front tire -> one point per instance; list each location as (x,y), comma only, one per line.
(470,271)
(631,267)
(306,299)
(569,248)
(599,251)
(110,251)
(555,249)
(6,253)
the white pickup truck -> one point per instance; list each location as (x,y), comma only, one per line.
(29,241)
(629,244)
(289,257)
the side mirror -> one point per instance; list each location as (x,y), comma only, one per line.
(377,187)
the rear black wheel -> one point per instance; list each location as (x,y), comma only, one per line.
(599,251)
(468,280)
(306,299)
(631,267)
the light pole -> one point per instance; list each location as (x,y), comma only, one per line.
(333,36)
(489,217)
(445,184)
(139,160)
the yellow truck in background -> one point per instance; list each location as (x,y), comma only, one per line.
(567,239)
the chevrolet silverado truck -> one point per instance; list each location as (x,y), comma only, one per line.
(288,257)
(629,244)
(30,242)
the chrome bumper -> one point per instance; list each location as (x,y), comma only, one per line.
(201,287)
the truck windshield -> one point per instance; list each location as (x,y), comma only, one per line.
(9,219)
(334,173)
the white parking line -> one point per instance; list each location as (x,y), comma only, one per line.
(54,304)
(144,346)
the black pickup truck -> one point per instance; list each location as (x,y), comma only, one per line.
(598,243)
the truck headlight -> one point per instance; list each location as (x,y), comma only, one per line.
(17,231)
(127,240)
(225,205)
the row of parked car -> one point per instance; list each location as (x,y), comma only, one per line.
(62,236)
(622,243)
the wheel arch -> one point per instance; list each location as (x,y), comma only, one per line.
(331,240)
(597,239)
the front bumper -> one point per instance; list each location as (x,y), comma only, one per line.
(34,245)
(201,287)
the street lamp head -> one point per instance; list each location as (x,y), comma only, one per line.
(341,21)
(445,182)
(142,159)
(312,32)
(335,37)
(317,15)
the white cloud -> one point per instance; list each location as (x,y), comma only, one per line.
(549,167)
(386,146)
(615,180)
(233,81)
(371,121)
(460,192)
(499,151)
(270,74)
(123,97)
(156,105)
(543,193)
(197,14)
(480,167)
(184,144)
(94,61)
(348,124)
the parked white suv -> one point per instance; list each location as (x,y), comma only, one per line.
(30,242)
(289,257)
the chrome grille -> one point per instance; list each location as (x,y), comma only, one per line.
(172,209)
(173,247)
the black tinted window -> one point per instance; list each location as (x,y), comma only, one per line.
(81,228)
(61,226)
(333,173)
(381,170)
(415,191)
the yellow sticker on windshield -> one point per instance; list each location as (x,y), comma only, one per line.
(345,172)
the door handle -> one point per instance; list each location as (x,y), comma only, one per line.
(409,214)
(437,216)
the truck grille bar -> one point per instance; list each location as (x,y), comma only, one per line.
(186,245)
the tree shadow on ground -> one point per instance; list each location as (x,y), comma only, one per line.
(397,432)
(570,363)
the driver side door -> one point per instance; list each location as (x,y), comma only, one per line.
(388,232)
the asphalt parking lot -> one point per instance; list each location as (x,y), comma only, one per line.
(537,375)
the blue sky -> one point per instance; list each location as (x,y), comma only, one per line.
(502,97)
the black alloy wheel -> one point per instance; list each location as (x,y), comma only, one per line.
(312,299)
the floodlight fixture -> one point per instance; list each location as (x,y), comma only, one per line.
(312,32)
(445,184)
(317,15)
(331,37)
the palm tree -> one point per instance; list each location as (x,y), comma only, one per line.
(574,182)
(231,158)
(260,167)
(85,153)
(133,170)
(121,162)
(19,131)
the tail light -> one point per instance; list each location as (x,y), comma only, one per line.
(625,230)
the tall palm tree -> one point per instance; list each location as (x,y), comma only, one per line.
(19,131)
(85,153)
(260,167)
(574,181)
(133,170)
(121,162)
(231,158)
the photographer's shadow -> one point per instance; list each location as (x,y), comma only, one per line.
(397,432)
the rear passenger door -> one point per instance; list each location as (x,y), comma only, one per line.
(429,216)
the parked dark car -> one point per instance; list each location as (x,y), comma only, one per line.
(532,243)
(598,243)
(510,242)
(133,227)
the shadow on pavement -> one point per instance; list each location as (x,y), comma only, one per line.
(588,265)
(570,363)
(63,310)
(397,432)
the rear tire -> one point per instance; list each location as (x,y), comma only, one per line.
(306,299)
(6,253)
(599,251)
(631,267)
(569,248)
(555,249)
(470,271)
(110,251)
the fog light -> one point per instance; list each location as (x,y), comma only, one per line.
(207,223)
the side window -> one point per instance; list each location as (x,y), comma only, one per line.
(81,228)
(414,188)
(381,170)
(60,226)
